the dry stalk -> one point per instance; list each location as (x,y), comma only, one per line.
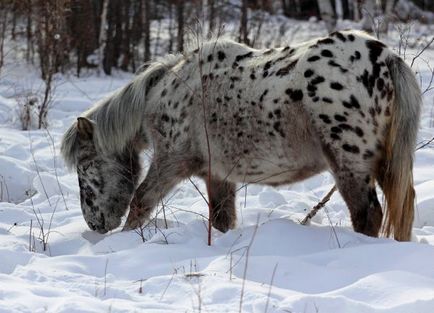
(318,206)
(269,288)
(240,308)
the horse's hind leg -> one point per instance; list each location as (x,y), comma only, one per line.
(355,181)
(361,198)
(221,195)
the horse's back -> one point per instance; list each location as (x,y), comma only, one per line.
(275,110)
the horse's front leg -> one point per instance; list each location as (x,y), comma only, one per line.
(163,175)
(221,194)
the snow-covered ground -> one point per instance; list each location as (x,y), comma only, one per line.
(269,263)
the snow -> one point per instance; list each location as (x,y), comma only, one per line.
(269,261)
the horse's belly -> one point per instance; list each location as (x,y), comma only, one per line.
(270,162)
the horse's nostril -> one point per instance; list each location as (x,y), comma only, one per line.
(91,226)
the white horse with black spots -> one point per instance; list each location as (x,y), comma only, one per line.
(344,103)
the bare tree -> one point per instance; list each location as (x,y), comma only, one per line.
(211,15)
(243,37)
(30,51)
(387,16)
(327,14)
(180,19)
(368,13)
(356,7)
(147,30)
(3,27)
(51,39)
(339,9)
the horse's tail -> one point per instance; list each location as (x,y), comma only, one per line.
(396,174)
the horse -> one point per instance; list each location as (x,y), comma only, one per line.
(228,113)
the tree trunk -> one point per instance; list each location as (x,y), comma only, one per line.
(147,30)
(243,23)
(171,39)
(356,12)
(180,18)
(368,13)
(211,16)
(327,14)
(339,9)
(384,27)
(30,47)
(106,36)
(3,27)
(103,38)
(126,30)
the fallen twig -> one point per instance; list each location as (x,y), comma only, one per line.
(318,207)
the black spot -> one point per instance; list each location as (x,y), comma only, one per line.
(263,95)
(356,56)
(380,84)
(336,129)
(326,53)
(265,74)
(243,56)
(333,63)
(351,37)
(311,87)
(313,58)
(308,73)
(327,100)
(339,36)
(164,92)
(278,113)
(375,48)
(267,66)
(340,118)
(165,117)
(296,95)
(358,131)
(326,41)
(317,80)
(351,148)
(286,48)
(325,118)
(221,55)
(354,103)
(335,136)
(336,85)
(285,70)
(315,99)
(345,126)
(210,58)
(368,154)
(252,76)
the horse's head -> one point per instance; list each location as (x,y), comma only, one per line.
(107,180)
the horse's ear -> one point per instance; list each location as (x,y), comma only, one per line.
(85,128)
